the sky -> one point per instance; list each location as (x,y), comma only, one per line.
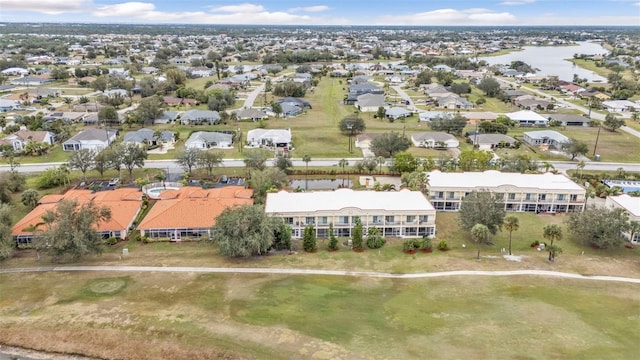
(327,12)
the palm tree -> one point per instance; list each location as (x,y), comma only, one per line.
(511,224)
(580,166)
(552,232)
(306,159)
(480,235)
(343,163)
(381,161)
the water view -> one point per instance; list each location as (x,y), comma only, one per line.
(320,184)
(551,60)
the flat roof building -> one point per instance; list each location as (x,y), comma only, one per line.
(520,192)
(401,213)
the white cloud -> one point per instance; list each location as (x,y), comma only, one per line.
(449,17)
(51,7)
(245,8)
(517,2)
(316,8)
(637,4)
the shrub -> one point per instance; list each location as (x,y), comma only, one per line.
(425,244)
(410,245)
(443,246)
(535,243)
(111,241)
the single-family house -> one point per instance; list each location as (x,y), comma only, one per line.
(199,117)
(190,213)
(630,204)
(620,106)
(520,192)
(148,137)
(403,213)
(370,102)
(491,141)
(545,139)
(432,139)
(453,101)
(396,113)
(14,71)
(31,81)
(93,139)
(428,116)
(251,114)
(19,139)
(270,138)
(569,119)
(9,105)
(209,139)
(479,116)
(528,118)
(290,109)
(301,103)
(124,203)
(166,117)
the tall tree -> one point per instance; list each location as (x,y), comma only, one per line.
(405,163)
(307,159)
(416,181)
(552,232)
(83,160)
(480,235)
(333,240)
(29,198)
(389,144)
(263,181)
(150,108)
(482,207)
(356,236)
(7,243)
(188,159)
(352,125)
(490,86)
(309,242)
(133,156)
(243,231)
(70,229)
(613,122)
(210,160)
(282,237)
(511,224)
(283,162)
(575,147)
(453,125)
(108,115)
(256,159)
(599,227)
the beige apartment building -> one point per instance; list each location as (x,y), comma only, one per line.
(547,192)
(403,213)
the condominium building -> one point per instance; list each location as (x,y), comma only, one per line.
(401,213)
(520,192)
(631,204)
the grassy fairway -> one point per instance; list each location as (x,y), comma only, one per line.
(276,317)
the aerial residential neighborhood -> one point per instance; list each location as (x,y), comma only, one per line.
(271,181)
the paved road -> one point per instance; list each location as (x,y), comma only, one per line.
(411,106)
(173,167)
(222,270)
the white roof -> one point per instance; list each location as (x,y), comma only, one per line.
(491,179)
(403,200)
(526,115)
(276,135)
(550,134)
(629,203)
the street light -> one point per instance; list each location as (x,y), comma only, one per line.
(350,128)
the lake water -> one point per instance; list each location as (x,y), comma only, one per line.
(551,60)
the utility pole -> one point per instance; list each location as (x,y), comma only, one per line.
(597,137)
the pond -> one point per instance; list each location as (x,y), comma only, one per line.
(551,60)
(320,184)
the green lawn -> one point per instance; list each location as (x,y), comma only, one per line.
(276,317)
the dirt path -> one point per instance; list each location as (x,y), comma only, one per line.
(227,270)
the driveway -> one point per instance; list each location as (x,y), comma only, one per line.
(398,88)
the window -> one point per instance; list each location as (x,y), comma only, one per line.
(411,219)
(389,219)
(424,219)
(562,197)
(573,197)
(512,196)
(323,233)
(542,197)
(377,219)
(323,220)
(439,195)
(288,220)
(343,220)
(354,219)
(309,220)
(451,195)
(529,197)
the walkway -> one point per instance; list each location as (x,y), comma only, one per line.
(218,270)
